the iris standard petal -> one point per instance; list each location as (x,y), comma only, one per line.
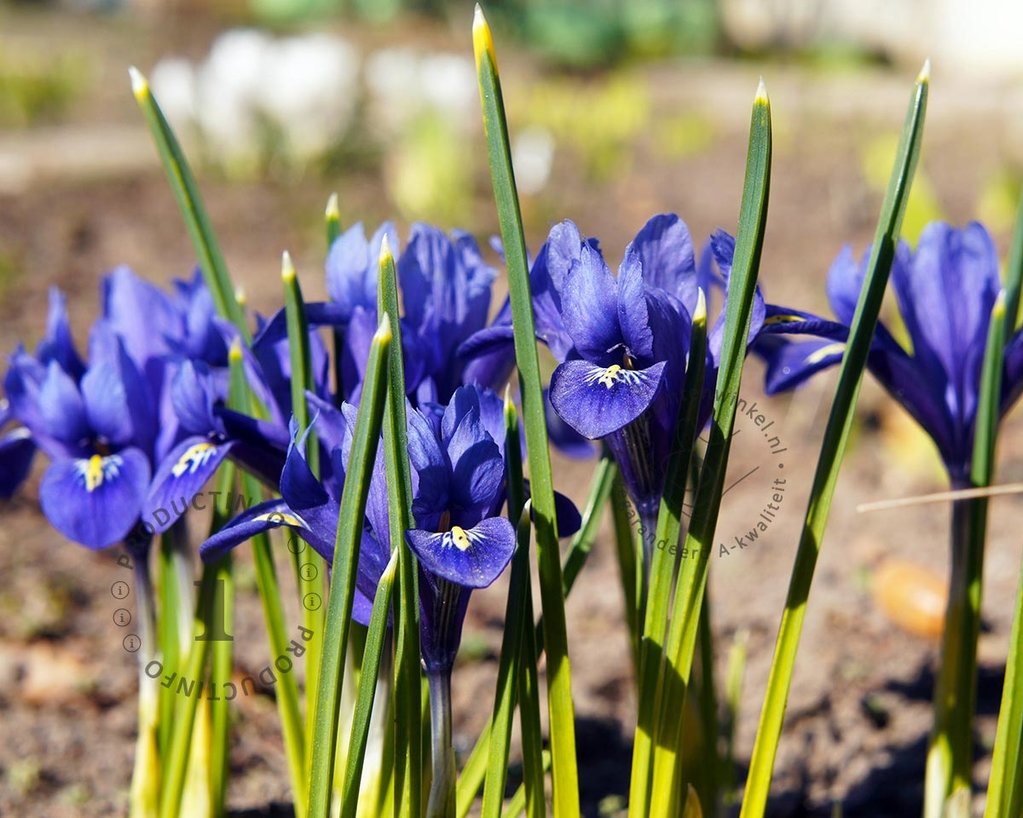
(58,344)
(633,317)
(844,282)
(61,408)
(590,307)
(596,400)
(95,501)
(471,558)
(140,313)
(665,249)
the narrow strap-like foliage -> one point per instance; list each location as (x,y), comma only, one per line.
(665,560)
(408,722)
(836,437)
(186,191)
(345,565)
(559,682)
(375,646)
(680,644)
(515,624)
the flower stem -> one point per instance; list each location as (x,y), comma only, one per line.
(145,781)
(949,753)
(441,803)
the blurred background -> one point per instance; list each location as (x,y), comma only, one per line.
(618,109)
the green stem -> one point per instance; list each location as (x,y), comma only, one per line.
(441,803)
(145,782)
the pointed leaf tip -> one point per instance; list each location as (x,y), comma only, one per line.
(761,97)
(139,83)
(287,267)
(235,351)
(386,256)
(482,37)
(925,72)
(333,210)
(999,305)
(700,314)
(240,297)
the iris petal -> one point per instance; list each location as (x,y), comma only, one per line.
(665,249)
(590,308)
(471,558)
(95,501)
(16,451)
(596,400)
(632,307)
(180,477)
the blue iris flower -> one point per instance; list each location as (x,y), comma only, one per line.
(945,291)
(458,489)
(124,456)
(446,290)
(622,341)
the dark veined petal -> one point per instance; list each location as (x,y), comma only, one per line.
(262,517)
(304,493)
(567,518)
(632,307)
(16,451)
(471,558)
(597,400)
(791,363)
(180,477)
(95,501)
(590,307)
(194,392)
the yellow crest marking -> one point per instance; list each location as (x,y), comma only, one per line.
(460,538)
(783,319)
(94,473)
(824,352)
(193,457)
(280,518)
(609,376)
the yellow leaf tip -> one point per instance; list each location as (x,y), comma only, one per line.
(287,268)
(333,210)
(999,306)
(139,83)
(482,37)
(386,256)
(925,73)
(761,97)
(240,296)
(700,313)
(234,353)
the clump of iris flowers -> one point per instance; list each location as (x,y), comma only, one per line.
(461,542)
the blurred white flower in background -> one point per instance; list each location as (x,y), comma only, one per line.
(533,158)
(253,90)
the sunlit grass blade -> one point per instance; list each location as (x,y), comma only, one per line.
(222,665)
(836,437)
(408,721)
(345,565)
(519,802)
(1005,785)
(680,643)
(311,580)
(515,624)
(559,682)
(579,549)
(734,676)
(708,786)
(292,727)
(375,647)
(629,555)
(170,641)
(663,566)
(533,753)
(186,192)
